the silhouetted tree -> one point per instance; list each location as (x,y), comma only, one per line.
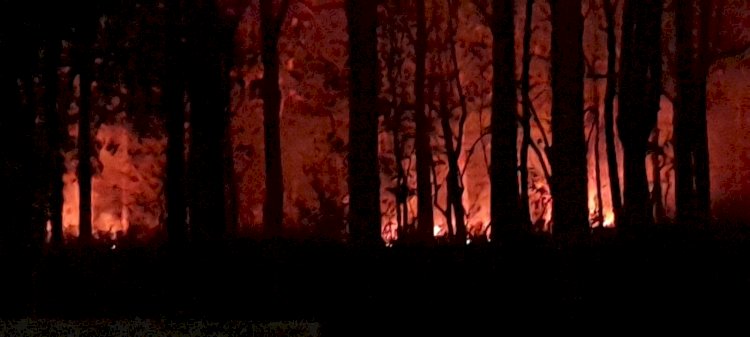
(609,115)
(85,25)
(692,189)
(640,91)
(568,152)
(173,101)
(455,188)
(394,63)
(526,113)
(53,119)
(364,178)
(273,206)
(18,50)
(425,221)
(504,205)
(207,92)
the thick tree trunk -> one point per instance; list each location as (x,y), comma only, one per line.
(568,151)
(174,107)
(640,84)
(609,115)
(690,131)
(683,120)
(505,210)
(273,207)
(702,177)
(425,221)
(526,111)
(207,120)
(16,147)
(364,177)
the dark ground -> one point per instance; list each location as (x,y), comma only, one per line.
(672,276)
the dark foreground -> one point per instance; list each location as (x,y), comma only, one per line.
(671,277)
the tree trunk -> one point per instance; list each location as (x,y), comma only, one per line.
(598,171)
(207,120)
(425,221)
(702,177)
(526,117)
(83,64)
(55,131)
(273,207)
(364,177)
(609,115)
(640,89)
(692,192)
(16,128)
(505,210)
(393,68)
(453,180)
(660,214)
(174,107)
(568,151)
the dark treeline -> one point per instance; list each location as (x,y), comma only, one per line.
(195,53)
(182,71)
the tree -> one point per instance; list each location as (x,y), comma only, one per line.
(17,50)
(568,152)
(394,29)
(54,122)
(640,92)
(364,181)
(425,221)
(207,92)
(85,34)
(173,104)
(692,189)
(526,112)
(504,204)
(609,115)
(273,206)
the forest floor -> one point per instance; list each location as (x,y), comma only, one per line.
(670,275)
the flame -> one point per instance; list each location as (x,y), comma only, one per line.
(127,188)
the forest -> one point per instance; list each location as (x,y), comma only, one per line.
(416,155)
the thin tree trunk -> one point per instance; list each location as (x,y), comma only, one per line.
(402,188)
(598,171)
(609,116)
(660,214)
(454,203)
(526,110)
(364,177)
(424,151)
(505,210)
(83,64)
(273,207)
(568,152)
(55,133)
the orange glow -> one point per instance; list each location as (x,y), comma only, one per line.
(126,189)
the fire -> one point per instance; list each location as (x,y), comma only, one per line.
(126,187)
